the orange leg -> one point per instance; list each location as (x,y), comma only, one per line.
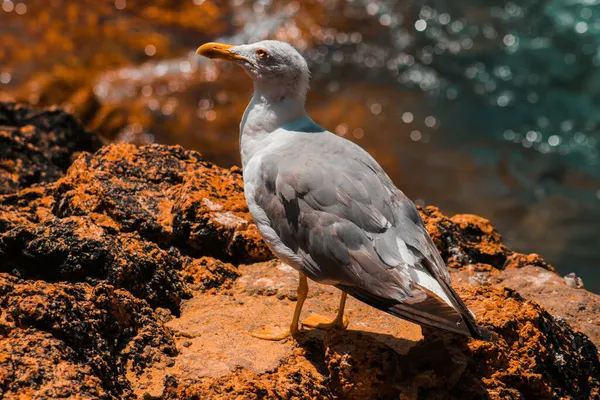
(318,321)
(274,333)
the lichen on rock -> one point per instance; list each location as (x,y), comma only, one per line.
(471,242)
(125,215)
(92,332)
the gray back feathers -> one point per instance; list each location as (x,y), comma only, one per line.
(331,204)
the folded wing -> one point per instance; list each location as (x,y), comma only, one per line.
(339,212)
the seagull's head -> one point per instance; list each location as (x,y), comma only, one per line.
(278,70)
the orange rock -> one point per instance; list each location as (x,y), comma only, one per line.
(74,339)
(471,242)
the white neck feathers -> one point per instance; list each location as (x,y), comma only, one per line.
(264,115)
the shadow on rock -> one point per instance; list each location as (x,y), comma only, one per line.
(534,355)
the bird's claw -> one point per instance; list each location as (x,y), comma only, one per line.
(320,322)
(272,333)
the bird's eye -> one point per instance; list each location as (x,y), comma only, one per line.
(260,53)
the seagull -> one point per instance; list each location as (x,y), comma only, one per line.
(324,206)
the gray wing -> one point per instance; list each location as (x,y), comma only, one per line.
(332,205)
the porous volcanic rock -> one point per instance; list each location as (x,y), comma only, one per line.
(580,308)
(123,215)
(65,340)
(472,243)
(139,274)
(475,255)
(92,263)
(38,145)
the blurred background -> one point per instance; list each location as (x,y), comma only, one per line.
(485,107)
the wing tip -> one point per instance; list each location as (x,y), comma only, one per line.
(467,317)
(461,324)
(478,332)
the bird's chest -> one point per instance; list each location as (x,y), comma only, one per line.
(254,190)
(265,211)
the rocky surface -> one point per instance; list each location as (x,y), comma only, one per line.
(471,243)
(535,355)
(139,274)
(38,145)
(69,339)
(578,306)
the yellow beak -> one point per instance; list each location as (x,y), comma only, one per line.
(218,50)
